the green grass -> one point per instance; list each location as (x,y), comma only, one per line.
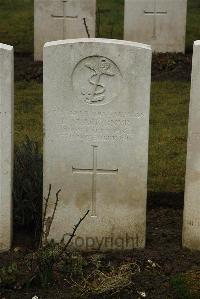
(168,131)
(16,24)
(186,285)
(193,23)
(28,112)
(180,288)
(110,17)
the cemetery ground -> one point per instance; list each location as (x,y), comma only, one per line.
(163,269)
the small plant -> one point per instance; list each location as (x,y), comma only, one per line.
(74,264)
(27,187)
(186,285)
(50,254)
(179,287)
(9,275)
(42,264)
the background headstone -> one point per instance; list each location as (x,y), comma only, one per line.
(62,19)
(96,120)
(6,145)
(191,222)
(159,23)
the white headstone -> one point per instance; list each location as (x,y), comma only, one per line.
(96,119)
(6,144)
(160,23)
(191,222)
(62,19)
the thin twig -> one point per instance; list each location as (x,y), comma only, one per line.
(86,27)
(111,31)
(44,214)
(46,206)
(73,233)
(49,220)
(56,204)
(98,16)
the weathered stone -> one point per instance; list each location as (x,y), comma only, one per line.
(191,222)
(62,19)
(96,120)
(6,146)
(160,23)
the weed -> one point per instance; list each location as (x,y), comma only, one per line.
(9,275)
(27,187)
(187,285)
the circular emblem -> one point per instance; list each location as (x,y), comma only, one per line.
(96,80)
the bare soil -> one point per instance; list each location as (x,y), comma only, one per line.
(164,228)
(164,67)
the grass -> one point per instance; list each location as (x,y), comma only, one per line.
(193,22)
(28,111)
(168,135)
(110,16)
(16,25)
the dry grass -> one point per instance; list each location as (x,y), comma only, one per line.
(107,283)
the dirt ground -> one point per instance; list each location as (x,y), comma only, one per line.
(171,67)
(164,227)
(164,67)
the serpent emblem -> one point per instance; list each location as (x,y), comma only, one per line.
(96,80)
(96,92)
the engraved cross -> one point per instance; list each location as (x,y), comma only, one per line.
(94,171)
(155,12)
(65,17)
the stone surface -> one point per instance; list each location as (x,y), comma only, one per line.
(96,120)
(191,222)
(6,145)
(62,19)
(159,23)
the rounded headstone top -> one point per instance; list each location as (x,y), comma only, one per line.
(6,47)
(97,40)
(197,43)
